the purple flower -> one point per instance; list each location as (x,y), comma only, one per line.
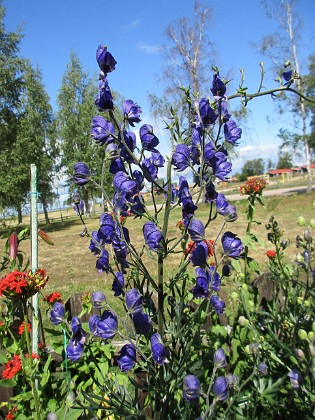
(157,159)
(287,75)
(130,141)
(152,236)
(295,378)
(207,114)
(217,304)
(79,208)
(76,199)
(221,204)
(218,88)
(121,252)
(181,157)
(232,133)
(138,207)
(142,322)
(201,288)
(127,357)
(262,368)
(221,168)
(134,301)
(211,194)
(102,131)
(215,281)
(105,60)
(221,388)
(199,255)
(98,300)
(118,284)
(75,347)
(132,112)
(104,326)
(150,169)
(111,151)
(116,165)
(209,151)
(107,230)
(57,314)
(159,352)
(102,263)
(183,189)
(95,244)
(223,111)
(81,173)
(219,358)
(188,208)
(74,350)
(195,144)
(232,245)
(191,391)
(196,230)
(104,99)
(125,186)
(148,140)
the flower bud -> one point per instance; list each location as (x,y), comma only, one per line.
(250,304)
(299,241)
(242,321)
(13,246)
(262,368)
(299,354)
(219,358)
(70,399)
(308,235)
(312,223)
(268,226)
(111,151)
(301,221)
(231,379)
(312,350)
(284,244)
(52,416)
(302,334)
(299,257)
(254,348)
(310,335)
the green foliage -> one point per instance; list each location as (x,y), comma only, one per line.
(252,168)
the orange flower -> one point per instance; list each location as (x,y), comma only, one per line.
(271,254)
(22,328)
(12,367)
(52,298)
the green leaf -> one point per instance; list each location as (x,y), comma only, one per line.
(236,265)
(8,383)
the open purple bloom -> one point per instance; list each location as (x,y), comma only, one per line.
(221,168)
(127,357)
(196,230)
(125,186)
(157,159)
(211,194)
(57,314)
(219,358)
(132,112)
(223,111)
(183,189)
(81,173)
(95,244)
(160,353)
(104,99)
(116,165)
(209,151)
(102,131)
(221,204)
(181,157)
(102,263)
(218,88)
(74,350)
(232,133)
(217,304)
(138,207)
(107,230)
(75,347)
(188,208)
(118,284)
(121,252)
(221,388)
(201,288)
(191,391)
(232,245)
(130,141)
(199,255)
(150,169)
(207,114)
(215,281)
(295,378)
(134,301)
(98,300)
(142,322)
(105,60)
(195,144)
(152,236)
(148,140)
(104,326)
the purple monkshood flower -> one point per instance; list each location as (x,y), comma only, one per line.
(295,378)
(181,157)
(107,230)
(221,168)
(232,133)
(221,388)
(104,326)
(211,194)
(150,169)
(215,281)
(219,358)
(218,88)
(157,159)
(121,252)
(148,140)
(262,368)
(201,288)
(104,99)
(125,186)
(95,244)
(287,75)
(130,140)
(81,173)
(134,301)
(152,236)
(199,255)
(223,111)
(207,114)
(102,263)
(75,347)
(183,189)
(57,314)
(132,112)
(195,144)
(76,199)
(159,352)
(98,300)
(118,284)
(221,203)
(232,245)
(196,230)
(102,131)
(188,208)
(138,208)
(105,60)
(209,151)
(217,304)
(78,206)
(191,391)
(138,177)
(116,165)
(142,322)
(127,357)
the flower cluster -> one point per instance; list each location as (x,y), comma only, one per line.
(22,285)
(52,298)
(253,186)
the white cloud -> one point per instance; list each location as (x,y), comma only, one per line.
(264,151)
(147,48)
(131,25)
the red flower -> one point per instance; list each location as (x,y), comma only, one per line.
(21,328)
(253,186)
(181,226)
(22,284)
(192,245)
(12,367)
(271,254)
(11,415)
(52,298)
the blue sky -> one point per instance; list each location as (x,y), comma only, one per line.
(135,34)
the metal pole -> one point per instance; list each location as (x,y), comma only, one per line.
(34,254)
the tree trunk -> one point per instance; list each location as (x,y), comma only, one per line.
(46,214)
(19,211)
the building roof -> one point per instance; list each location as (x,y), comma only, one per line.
(280,171)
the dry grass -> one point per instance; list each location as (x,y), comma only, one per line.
(71,266)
